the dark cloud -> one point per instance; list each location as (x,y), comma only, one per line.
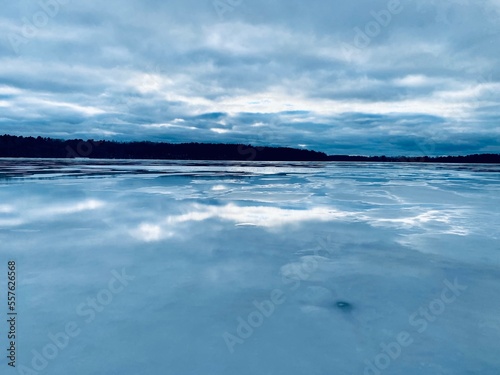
(364,77)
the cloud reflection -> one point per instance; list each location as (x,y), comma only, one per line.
(260,216)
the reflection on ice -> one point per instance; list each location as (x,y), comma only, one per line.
(240,215)
(440,221)
(29,210)
(355,249)
(87,205)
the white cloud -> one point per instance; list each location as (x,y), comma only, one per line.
(143,68)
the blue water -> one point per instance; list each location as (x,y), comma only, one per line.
(160,267)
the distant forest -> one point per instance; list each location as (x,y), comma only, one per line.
(30,147)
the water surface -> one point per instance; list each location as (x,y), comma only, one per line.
(358,253)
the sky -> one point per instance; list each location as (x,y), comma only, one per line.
(393,77)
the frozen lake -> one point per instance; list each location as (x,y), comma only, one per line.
(197,268)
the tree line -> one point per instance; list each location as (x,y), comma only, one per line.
(39,147)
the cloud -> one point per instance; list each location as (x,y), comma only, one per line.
(338,77)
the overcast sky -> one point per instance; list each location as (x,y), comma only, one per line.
(348,76)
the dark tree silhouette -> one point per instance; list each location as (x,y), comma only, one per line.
(15,146)
(30,147)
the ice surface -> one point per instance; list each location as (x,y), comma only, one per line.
(353,251)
